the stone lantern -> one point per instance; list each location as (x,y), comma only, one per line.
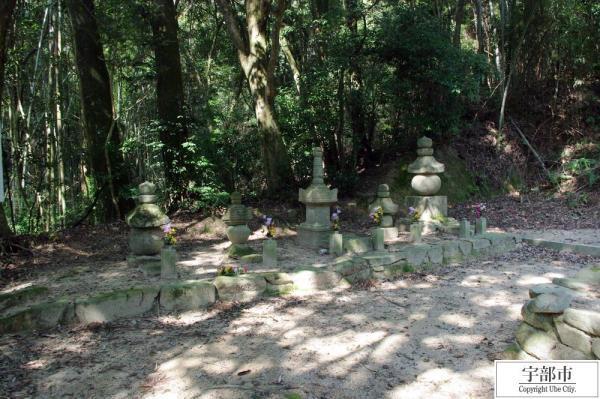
(146,238)
(318,198)
(236,218)
(390,208)
(426,183)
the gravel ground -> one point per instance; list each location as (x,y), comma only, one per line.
(424,336)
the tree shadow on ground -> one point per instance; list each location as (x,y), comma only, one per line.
(427,335)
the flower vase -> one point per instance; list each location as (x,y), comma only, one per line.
(168,263)
(336,244)
(480,225)
(416,230)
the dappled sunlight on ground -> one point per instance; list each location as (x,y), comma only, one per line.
(428,335)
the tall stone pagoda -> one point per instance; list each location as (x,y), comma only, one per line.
(318,198)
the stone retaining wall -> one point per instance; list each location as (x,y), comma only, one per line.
(360,263)
(552,329)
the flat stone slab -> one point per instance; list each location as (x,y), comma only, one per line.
(436,254)
(244,288)
(537,343)
(538,320)
(252,258)
(551,303)
(383,258)
(116,304)
(416,254)
(590,275)
(40,316)
(315,279)
(572,283)
(548,288)
(585,320)
(481,246)
(358,245)
(544,345)
(21,296)
(573,337)
(187,295)
(581,249)
(277,278)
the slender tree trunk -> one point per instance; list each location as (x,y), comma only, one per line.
(169,96)
(7,8)
(289,56)
(478,8)
(361,146)
(258,62)
(458,20)
(101,130)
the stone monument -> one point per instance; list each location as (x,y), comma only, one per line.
(318,198)
(146,238)
(385,202)
(269,257)
(236,218)
(431,208)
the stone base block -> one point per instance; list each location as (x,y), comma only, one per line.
(242,288)
(188,295)
(429,207)
(389,233)
(236,251)
(113,305)
(140,260)
(150,265)
(310,238)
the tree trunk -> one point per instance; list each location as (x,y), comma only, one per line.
(169,96)
(258,63)
(361,147)
(7,8)
(458,20)
(101,130)
(479,26)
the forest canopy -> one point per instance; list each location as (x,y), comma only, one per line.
(204,97)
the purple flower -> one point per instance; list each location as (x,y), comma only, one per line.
(335,216)
(167,228)
(411,211)
(267,221)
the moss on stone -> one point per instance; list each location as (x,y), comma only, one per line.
(279,289)
(237,251)
(408,268)
(457,182)
(42,315)
(252,258)
(21,296)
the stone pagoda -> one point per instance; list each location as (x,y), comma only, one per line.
(426,183)
(236,218)
(318,198)
(146,238)
(385,202)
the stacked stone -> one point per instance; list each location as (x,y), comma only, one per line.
(146,238)
(551,329)
(389,208)
(318,198)
(236,218)
(426,183)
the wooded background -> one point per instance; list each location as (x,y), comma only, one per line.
(203,97)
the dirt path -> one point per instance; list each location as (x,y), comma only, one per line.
(430,335)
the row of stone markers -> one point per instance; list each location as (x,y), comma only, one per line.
(316,232)
(360,262)
(559,321)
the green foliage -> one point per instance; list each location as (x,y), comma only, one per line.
(430,80)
